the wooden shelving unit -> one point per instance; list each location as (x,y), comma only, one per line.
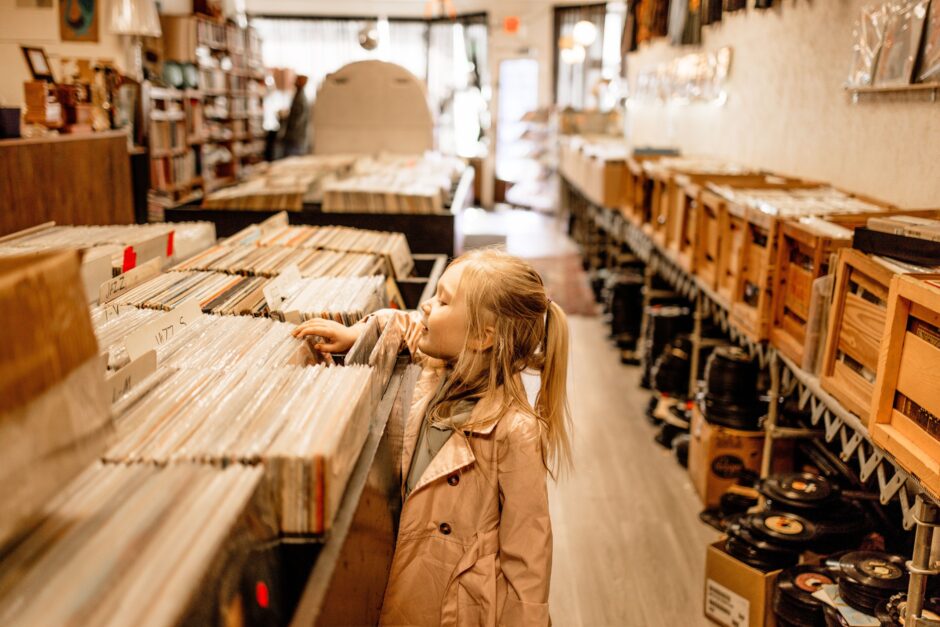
(220,121)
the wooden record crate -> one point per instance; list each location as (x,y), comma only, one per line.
(752,292)
(719,233)
(683,216)
(855,329)
(804,250)
(905,409)
(660,186)
(603,180)
(638,190)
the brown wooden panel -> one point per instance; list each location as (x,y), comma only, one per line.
(862,328)
(799,290)
(80,179)
(919,373)
(851,389)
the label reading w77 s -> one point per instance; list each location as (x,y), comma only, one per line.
(724,606)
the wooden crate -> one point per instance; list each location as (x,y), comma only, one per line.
(683,215)
(803,255)
(659,186)
(906,401)
(856,325)
(638,190)
(603,180)
(855,329)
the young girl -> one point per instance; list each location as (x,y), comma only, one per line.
(475,540)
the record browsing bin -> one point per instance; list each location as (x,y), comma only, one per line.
(906,402)
(736,593)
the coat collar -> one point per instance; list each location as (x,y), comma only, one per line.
(456,452)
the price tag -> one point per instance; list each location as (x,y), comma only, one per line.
(122,381)
(110,290)
(163,329)
(279,289)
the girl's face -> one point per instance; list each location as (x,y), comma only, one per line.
(445,318)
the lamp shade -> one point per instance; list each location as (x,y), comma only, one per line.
(135,17)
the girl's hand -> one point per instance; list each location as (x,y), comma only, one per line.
(336,338)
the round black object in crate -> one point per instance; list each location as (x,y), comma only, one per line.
(663,325)
(870,577)
(731,397)
(794,603)
(670,373)
(624,301)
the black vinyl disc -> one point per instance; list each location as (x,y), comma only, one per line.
(782,527)
(874,569)
(893,612)
(801,488)
(794,600)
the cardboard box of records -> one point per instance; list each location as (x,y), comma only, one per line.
(906,401)
(718,455)
(54,411)
(736,593)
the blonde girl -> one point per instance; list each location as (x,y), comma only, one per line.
(475,540)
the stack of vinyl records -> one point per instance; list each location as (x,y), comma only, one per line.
(676,420)
(769,539)
(624,292)
(840,523)
(794,604)
(392,246)
(134,546)
(869,578)
(664,323)
(670,372)
(270,261)
(346,300)
(210,342)
(216,293)
(893,612)
(730,398)
(306,425)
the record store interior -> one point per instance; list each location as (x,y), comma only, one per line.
(470,313)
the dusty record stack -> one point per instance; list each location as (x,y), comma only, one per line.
(663,324)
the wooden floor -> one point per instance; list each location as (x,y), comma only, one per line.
(629,548)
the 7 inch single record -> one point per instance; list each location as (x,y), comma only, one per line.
(782,527)
(876,570)
(799,489)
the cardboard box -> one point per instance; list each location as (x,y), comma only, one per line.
(737,595)
(717,455)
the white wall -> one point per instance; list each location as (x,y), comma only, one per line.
(40,27)
(787,110)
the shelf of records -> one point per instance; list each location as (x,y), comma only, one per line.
(204,441)
(424,184)
(862,300)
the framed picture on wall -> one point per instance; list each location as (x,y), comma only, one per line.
(78,20)
(38,64)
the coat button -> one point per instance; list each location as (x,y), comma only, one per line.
(445,529)
(453,479)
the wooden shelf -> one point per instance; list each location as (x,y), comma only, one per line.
(164,116)
(890,89)
(174,152)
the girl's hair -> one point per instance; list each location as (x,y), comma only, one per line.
(529,332)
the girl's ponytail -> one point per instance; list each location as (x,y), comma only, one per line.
(551,404)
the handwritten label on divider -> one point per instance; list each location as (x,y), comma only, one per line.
(163,329)
(110,290)
(124,380)
(279,289)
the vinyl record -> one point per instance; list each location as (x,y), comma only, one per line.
(874,569)
(893,612)
(794,602)
(782,527)
(799,490)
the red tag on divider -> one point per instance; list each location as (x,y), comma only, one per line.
(130,259)
(169,244)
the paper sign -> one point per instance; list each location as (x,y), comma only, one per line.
(110,290)
(95,271)
(724,606)
(154,248)
(122,381)
(163,329)
(279,289)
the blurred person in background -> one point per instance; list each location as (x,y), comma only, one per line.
(294,128)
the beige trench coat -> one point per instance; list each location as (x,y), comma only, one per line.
(475,539)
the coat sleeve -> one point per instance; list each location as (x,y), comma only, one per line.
(525,529)
(408,322)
